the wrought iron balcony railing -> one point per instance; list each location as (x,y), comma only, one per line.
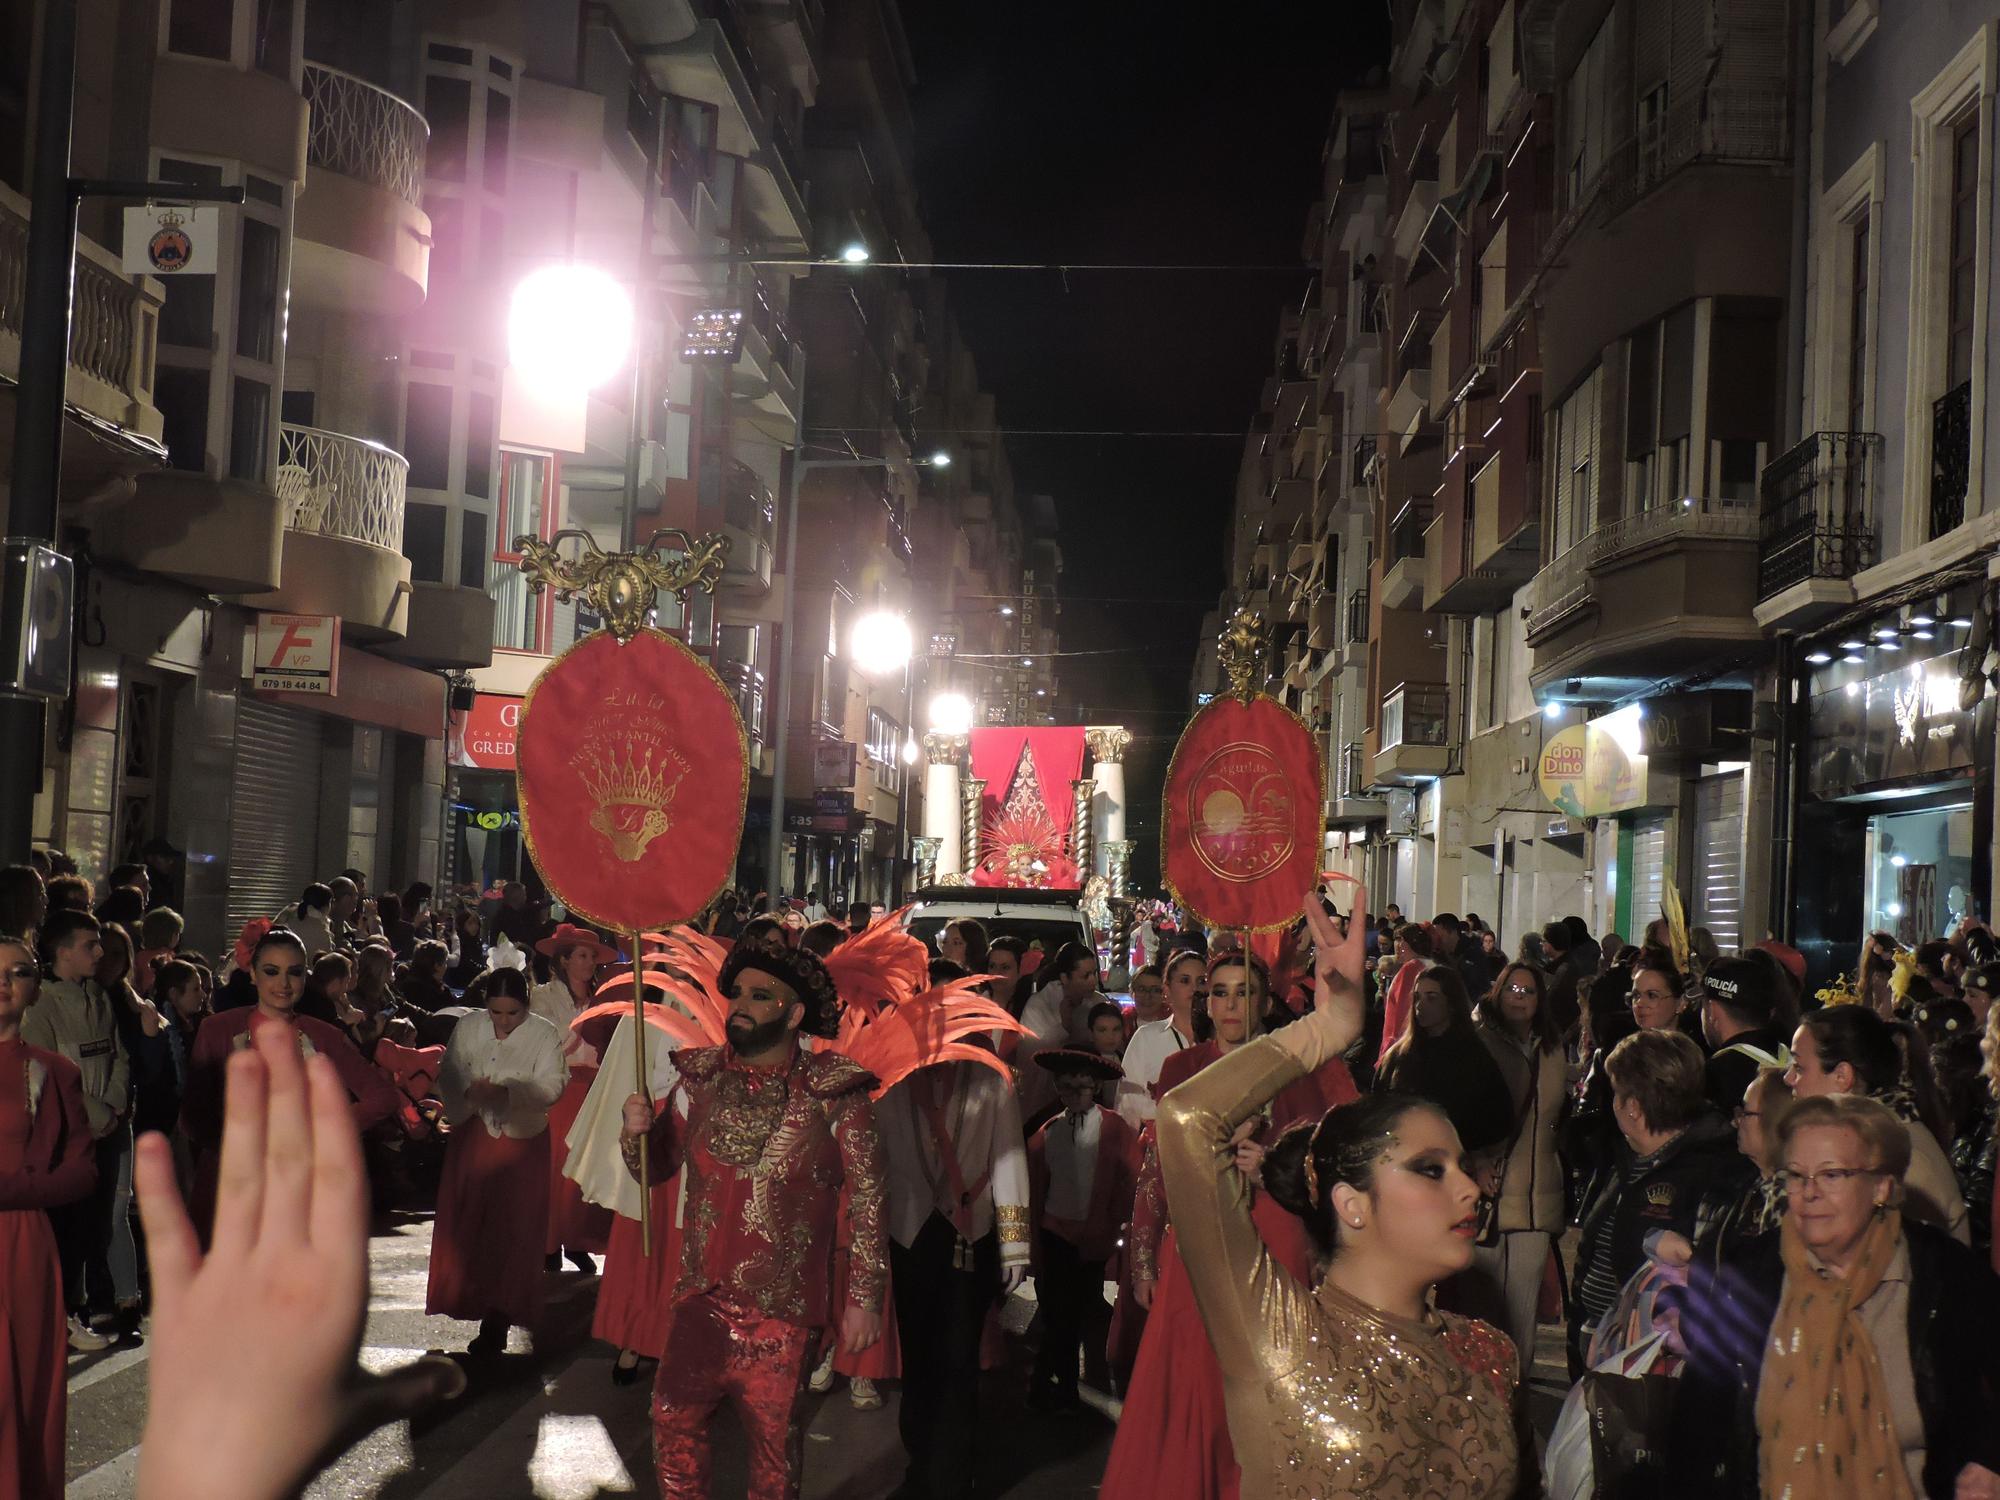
(364,132)
(1353,767)
(1951,458)
(342,486)
(1357,618)
(1818,510)
(1416,714)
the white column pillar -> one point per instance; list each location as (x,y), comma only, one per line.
(1107,804)
(943,818)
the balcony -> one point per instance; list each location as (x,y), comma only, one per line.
(1645,597)
(746,685)
(451,628)
(1951,458)
(767,376)
(1348,803)
(1409,408)
(1818,527)
(361,237)
(112,334)
(1415,734)
(1403,558)
(343,532)
(748,520)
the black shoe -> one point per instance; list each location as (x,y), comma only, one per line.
(552,1261)
(622,1373)
(491,1341)
(582,1261)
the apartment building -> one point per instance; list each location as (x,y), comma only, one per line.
(1880,516)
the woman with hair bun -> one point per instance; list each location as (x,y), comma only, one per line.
(1849,1049)
(1174,1435)
(1351,1386)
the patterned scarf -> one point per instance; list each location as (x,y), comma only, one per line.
(1824,1425)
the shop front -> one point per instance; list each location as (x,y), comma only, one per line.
(484,846)
(1895,814)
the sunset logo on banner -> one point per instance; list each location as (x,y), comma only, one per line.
(1240,812)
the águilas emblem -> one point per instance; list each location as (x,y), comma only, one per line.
(633,788)
(1240,812)
(170,249)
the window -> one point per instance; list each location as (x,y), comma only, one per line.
(1964,223)
(521,619)
(181,394)
(258,292)
(1584,127)
(481,440)
(885,750)
(499,110)
(272,44)
(249,429)
(472,548)
(1573,503)
(201,28)
(423,540)
(1857,326)
(448,107)
(427,435)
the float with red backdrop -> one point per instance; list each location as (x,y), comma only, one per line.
(1027,810)
(1240,821)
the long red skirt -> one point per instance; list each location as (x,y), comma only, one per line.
(635,1296)
(1173,1437)
(34,1341)
(492,1217)
(573,1223)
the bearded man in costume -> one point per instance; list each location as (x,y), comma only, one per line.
(771,1135)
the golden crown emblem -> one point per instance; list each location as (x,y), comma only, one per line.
(632,794)
(1660,1194)
(170,218)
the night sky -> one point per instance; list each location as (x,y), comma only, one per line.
(1088,131)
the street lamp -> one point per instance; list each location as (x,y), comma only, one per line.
(569,328)
(941,459)
(882,643)
(855,253)
(951,713)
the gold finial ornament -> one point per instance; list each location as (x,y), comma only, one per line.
(621,586)
(1241,651)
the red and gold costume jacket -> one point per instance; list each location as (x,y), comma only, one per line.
(767,1151)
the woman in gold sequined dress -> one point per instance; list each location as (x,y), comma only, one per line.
(1353,1386)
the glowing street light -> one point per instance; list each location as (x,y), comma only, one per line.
(882,642)
(941,459)
(569,328)
(855,254)
(951,713)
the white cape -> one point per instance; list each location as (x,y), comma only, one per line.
(595,1163)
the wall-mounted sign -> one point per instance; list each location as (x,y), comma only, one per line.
(1902,725)
(296,654)
(484,736)
(170,241)
(833,763)
(1586,772)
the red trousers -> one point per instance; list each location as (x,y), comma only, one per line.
(721,1349)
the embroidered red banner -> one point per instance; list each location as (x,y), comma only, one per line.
(1240,823)
(633,771)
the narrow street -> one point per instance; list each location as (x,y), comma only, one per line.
(547,1422)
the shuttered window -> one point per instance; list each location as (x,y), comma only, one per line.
(1718,858)
(274,817)
(1649,871)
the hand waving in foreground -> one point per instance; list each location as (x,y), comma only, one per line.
(1338,959)
(252,1378)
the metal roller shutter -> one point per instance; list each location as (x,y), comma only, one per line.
(1718,858)
(274,818)
(1649,872)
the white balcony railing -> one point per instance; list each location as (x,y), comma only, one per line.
(342,486)
(110,337)
(365,133)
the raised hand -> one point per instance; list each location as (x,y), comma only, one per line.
(252,1379)
(1338,960)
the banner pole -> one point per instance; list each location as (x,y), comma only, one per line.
(645,1092)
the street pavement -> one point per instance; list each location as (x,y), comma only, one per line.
(545,1420)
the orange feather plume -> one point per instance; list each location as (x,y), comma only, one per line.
(880,965)
(928,1028)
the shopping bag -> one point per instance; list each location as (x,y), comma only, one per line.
(1569,1463)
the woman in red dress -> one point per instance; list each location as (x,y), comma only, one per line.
(45,1159)
(1173,1437)
(278,970)
(576,957)
(502,1071)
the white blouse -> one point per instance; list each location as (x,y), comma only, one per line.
(529,1062)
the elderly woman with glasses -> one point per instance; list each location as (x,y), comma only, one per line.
(1852,1353)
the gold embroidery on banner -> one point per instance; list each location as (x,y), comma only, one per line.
(1240,807)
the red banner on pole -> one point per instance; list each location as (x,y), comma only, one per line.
(633,772)
(1240,824)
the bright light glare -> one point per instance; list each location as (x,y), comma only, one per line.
(1818,658)
(1623,727)
(569,328)
(910,751)
(941,459)
(881,642)
(1552,710)
(855,254)
(951,713)
(1899,860)
(1894,908)
(1007,609)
